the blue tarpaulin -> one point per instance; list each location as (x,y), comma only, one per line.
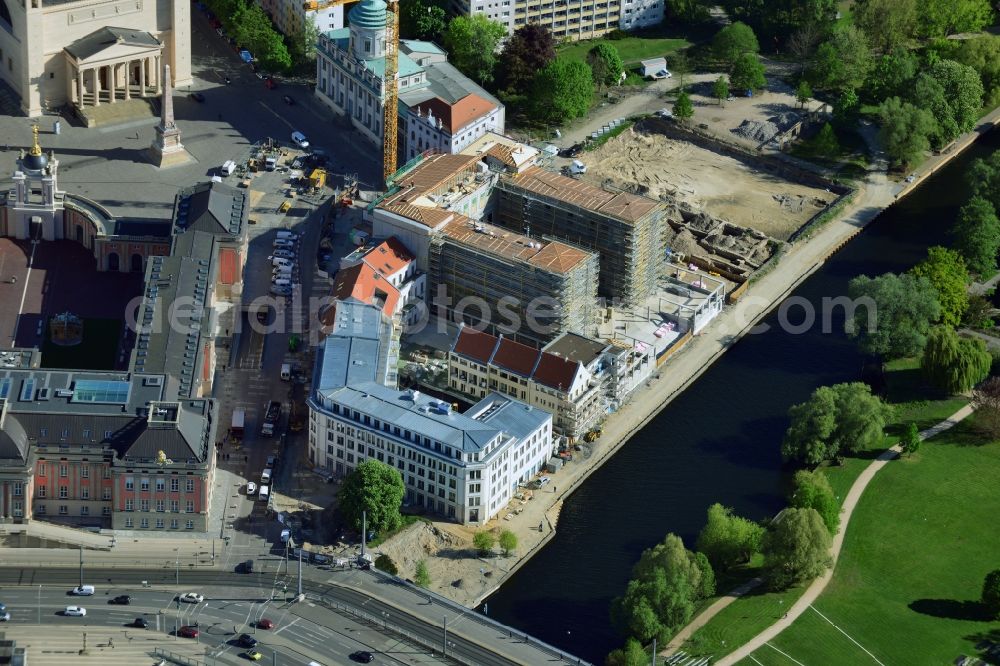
(245,56)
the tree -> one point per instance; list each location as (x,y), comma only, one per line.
(910,441)
(302,46)
(979,313)
(528,50)
(727,539)
(906,130)
(892,313)
(733,41)
(774,20)
(384,563)
(748,73)
(946,271)
(825,143)
(377,489)
(803,93)
(802,44)
(508,542)
(484,541)
(563,90)
(680,67)
(660,598)
(838,419)
(986,400)
(632,654)
(991,593)
(892,73)
(419,19)
(982,53)
(605,64)
(720,89)
(796,548)
(421,576)
(706,587)
(472,43)
(977,235)
(811,490)
(889,24)
(845,110)
(683,108)
(940,18)
(843,61)
(983,178)
(953,364)
(953,92)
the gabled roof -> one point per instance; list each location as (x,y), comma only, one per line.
(364,284)
(214,208)
(516,357)
(108,37)
(542,367)
(458,115)
(620,205)
(556,372)
(388,257)
(475,345)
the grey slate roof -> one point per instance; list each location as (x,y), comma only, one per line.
(356,349)
(13,440)
(211,207)
(446,82)
(101,39)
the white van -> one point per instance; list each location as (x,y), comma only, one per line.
(284,242)
(281,261)
(286,371)
(281,282)
(577,167)
(228,167)
(287,235)
(264,493)
(265,477)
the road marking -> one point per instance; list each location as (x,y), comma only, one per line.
(874,658)
(286,626)
(784,653)
(276,115)
(24,294)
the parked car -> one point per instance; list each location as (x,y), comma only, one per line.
(284,253)
(363,657)
(140,623)
(192,598)
(247,641)
(83,591)
(188,631)
(197,96)
(75,611)
(288,99)
(300,140)
(271,460)
(121,599)
(251,488)
(245,567)
(264,623)
(280,290)
(572,151)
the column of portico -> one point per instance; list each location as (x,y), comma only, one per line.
(128,79)
(79,87)
(158,75)
(97,85)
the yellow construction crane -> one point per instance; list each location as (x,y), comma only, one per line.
(390,115)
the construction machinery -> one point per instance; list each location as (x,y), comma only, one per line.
(390,110)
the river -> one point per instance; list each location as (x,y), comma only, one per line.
(717,442)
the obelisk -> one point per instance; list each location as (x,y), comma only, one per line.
(167,149)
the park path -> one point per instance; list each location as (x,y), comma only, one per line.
(850,502)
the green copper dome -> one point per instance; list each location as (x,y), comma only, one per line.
(368,15)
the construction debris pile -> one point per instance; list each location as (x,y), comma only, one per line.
(729,247)
(762,131)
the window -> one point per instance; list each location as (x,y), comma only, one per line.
(144,505)
(41,469)
(106,494)
(128,522)
(128,505)
(65,433)
(160,485)
(159,523)
(63,492)
(174,524)
(190,507)
(160,505)
(40,510)
(190,525)
(85,493)
(43,433)
(107,473)
(63,510)
(84,510)
(86,434)
(18,488)
(144,483)
(63,471)
(18,508)
(129,483)
(174,485)
(105,511)
(189,485)
(144,523)
(85,472)
(41,491)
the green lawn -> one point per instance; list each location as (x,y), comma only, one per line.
(918,546)
(632,49)
(749,615)
(98,350)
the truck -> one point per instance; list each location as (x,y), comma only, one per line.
(270,163)
(271,416)
(239,420)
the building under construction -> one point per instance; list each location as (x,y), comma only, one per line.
(528,289)
(626,230)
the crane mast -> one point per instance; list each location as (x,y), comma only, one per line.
(391,109)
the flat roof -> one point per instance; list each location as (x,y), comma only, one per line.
(575,347)
(551,256)
(620,205)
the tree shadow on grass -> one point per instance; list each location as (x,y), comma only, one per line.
(951,609)
(965,433)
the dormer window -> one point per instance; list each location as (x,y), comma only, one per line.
(368,45)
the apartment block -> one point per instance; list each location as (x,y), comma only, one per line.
(567,19)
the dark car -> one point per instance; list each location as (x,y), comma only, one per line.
(247,641)
(288,99)
(572,151)
(363,657)
(245,567)
(263,314)
(197,96)
(140,623)
(188,631)
(122,600)
(264,623)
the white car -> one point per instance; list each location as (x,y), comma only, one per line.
(83,591)
(282,253)
(75,611)
(4,617)
(281,291)
(251,488)
(192,598)
(283,243)
(300,140)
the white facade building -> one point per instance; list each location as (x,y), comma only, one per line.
(291,16)
(637,14)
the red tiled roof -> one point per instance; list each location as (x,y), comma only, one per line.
(389,257)
(516,357)
(456,116)
(556,372)
(229,271)
(475,345)
(361,282)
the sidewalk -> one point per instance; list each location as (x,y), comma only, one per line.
(130,648)
(850,502)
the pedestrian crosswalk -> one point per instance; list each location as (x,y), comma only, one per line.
(104,646)
(684,659)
